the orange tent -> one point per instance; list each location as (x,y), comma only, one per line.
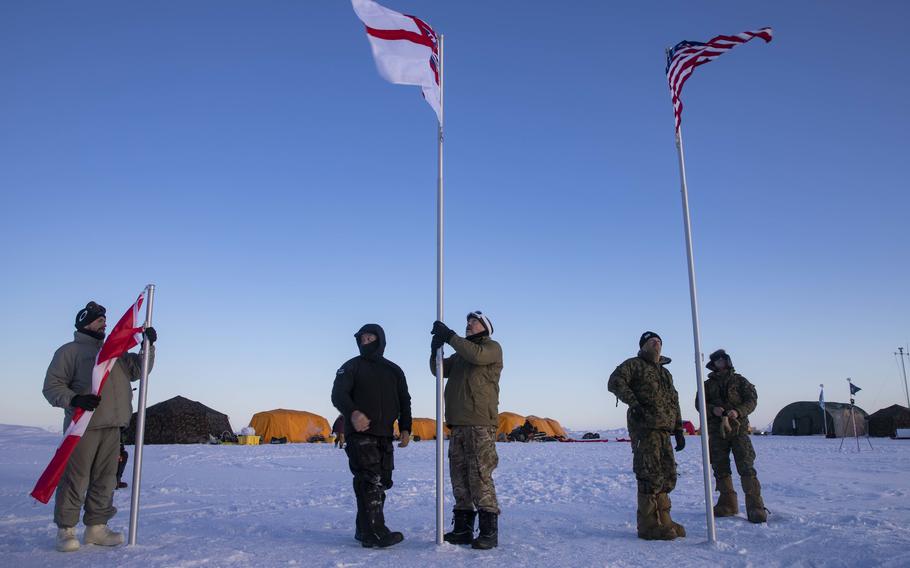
(508,421)
(424,428)
(558,430)
(295,425)
(548,426)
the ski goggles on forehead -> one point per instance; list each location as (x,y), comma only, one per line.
(479,315)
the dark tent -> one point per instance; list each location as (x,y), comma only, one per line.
(887,420)
(805,419)
(179,421)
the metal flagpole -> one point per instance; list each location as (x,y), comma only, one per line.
(824,414)
(702,410)
(440,387)
(852,415)
(140,417)
(904,372)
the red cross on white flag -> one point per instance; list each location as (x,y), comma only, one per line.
(404,48)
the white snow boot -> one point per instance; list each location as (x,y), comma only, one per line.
(66,540)
(102,535)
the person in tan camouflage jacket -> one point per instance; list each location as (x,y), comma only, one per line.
(729,399)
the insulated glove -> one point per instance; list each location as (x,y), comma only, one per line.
(680,440)
(437,342)
(86,401)
(151,334)
(442,330)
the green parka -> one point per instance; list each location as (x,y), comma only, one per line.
(647,388)
(731,391)
(472,392)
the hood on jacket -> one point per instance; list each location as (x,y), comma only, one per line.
(716,356)
(376,349)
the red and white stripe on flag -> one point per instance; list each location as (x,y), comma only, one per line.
(125,335)
(687,55)
(404,47)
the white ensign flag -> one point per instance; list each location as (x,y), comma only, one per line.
(404,47)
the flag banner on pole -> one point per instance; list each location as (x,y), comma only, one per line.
(821,396)
(125,335)
(404,47)
(854,389)
(687,55)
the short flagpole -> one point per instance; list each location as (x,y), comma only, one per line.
(440,387)
(702,409)
(140,418)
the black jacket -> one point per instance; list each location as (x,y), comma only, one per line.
(373,385)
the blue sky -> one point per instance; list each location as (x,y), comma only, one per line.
(247,159)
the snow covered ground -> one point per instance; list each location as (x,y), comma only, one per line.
(563,505)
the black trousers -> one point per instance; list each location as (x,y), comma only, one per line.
(371,461)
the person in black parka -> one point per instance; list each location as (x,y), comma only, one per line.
(371,392)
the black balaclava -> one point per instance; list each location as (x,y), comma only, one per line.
(371,350)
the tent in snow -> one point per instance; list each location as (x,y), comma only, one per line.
(515,427)
(424,429)
(805,419)
(179,421)
(552,428)
(508,421)
(886,421)
(688,427)
(294,425)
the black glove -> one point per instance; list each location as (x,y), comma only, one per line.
(636,412)
(442,330)
(151,334)
(680,440)
(86,401)
(437,342)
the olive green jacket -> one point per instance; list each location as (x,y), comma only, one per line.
(472,391)
(647,388)
(70,373)
(731,391)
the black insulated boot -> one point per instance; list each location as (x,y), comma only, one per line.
(375,533)
(489,531)
(463,531)
(381,539)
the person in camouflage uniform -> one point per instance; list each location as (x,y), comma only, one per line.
(472,414)
(729,399)
(644,383)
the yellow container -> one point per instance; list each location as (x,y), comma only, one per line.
(248,440)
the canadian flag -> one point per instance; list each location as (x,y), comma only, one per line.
(125,335)
(404,48)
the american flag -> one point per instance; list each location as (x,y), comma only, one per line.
(687,55)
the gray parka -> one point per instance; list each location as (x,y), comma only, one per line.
(70,373)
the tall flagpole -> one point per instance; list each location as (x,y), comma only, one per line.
(702,410)
(440,387)
(140,417)
(824,414)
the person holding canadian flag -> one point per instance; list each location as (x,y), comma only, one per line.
(94,413)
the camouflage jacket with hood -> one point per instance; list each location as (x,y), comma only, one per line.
(647,388)
(731,391)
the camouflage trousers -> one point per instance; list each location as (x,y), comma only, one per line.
(743,453)
(653,461)
(472,459)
